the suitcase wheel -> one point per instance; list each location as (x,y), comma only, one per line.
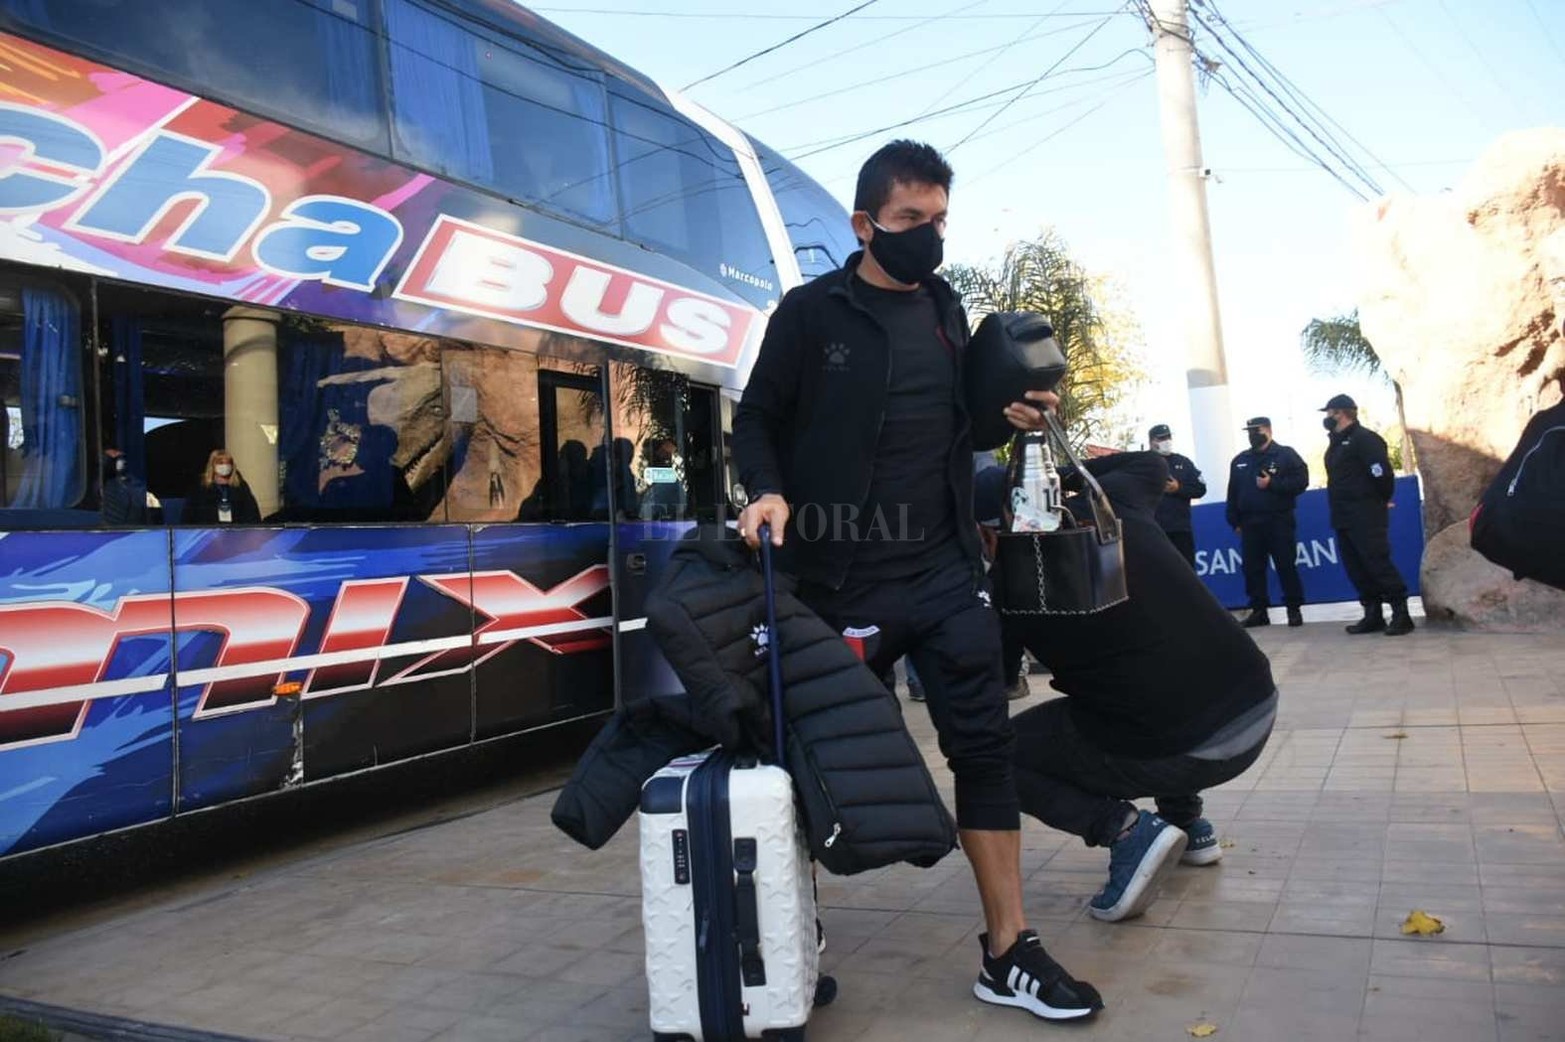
(825,990)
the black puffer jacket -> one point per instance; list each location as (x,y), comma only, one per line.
(867,796)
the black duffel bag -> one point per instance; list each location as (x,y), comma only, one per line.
(1078,569)
(1520,520)
(1011,353)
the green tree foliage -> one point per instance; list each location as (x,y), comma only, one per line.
(1337,346)
(1096,331)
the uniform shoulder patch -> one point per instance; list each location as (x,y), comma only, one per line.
(1376,469)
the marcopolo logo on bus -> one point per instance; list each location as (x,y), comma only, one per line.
(122,177)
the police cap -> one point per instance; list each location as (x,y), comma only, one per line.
(1340,401)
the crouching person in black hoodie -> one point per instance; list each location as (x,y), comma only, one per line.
(1165,695)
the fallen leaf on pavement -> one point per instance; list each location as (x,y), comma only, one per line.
(1227,844)
(1201,1030)
(1395,734)
(1422,923)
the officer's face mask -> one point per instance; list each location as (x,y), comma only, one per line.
(1163,448)
(1330,423)
(909,256)
(1257,440)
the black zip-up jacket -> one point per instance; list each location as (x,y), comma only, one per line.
(867,796)
(1173,510)
(1359,479)
(1248,501)
(810,419)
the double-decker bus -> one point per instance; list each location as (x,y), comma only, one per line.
(464,301)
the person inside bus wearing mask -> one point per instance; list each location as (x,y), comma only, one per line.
(125,499)
(221,497)
(854,449)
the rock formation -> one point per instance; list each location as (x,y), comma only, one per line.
(1462,295)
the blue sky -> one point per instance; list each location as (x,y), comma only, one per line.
(1425,84)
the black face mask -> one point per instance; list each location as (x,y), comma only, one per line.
(1257,440)
(911,256)
(1330,424)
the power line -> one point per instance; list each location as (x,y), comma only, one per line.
(1003,49)
(1483,60)
(1041,77)
(1332,148)
(1246,97)
(1312,168)
(946,16)
(1548,34)
(1056,133)
(829,144)
(873,80)
(732,15)
(1439,75)
(1115,81)
(780,45)
(1252,104)
(1319,134)
(1319,14)
(1298,95)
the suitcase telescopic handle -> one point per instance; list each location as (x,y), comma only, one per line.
(773,644)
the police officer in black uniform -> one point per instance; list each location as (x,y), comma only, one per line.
(1185,486)
(1359,486)
(1263,482)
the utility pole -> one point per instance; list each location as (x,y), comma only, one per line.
(1215,428)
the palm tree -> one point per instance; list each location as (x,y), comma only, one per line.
(1041,276)
(1337,346)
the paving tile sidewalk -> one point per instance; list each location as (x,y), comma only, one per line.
(1427,772)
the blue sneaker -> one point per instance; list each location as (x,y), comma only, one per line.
(1203,847)
(1135,862)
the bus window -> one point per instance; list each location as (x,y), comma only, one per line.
(667,429)
(360,425)
(486,108)
(703,454)
(683,194)
(817,224)
(320,422)
(313,62)
(42,465)
(573,458)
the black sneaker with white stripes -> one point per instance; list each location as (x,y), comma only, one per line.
(1026,978)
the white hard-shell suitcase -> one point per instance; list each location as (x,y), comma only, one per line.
(728,904)
(727,893)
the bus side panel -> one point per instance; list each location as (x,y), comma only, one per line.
(247,598)
(548,653)
(645,551)
(419,697)
(88,609)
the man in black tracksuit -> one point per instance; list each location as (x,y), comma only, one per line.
(1185,486)
(1263,482)
(1359,487)
(853,446)
(1165,696)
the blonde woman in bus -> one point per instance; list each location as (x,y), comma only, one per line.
(221,497)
